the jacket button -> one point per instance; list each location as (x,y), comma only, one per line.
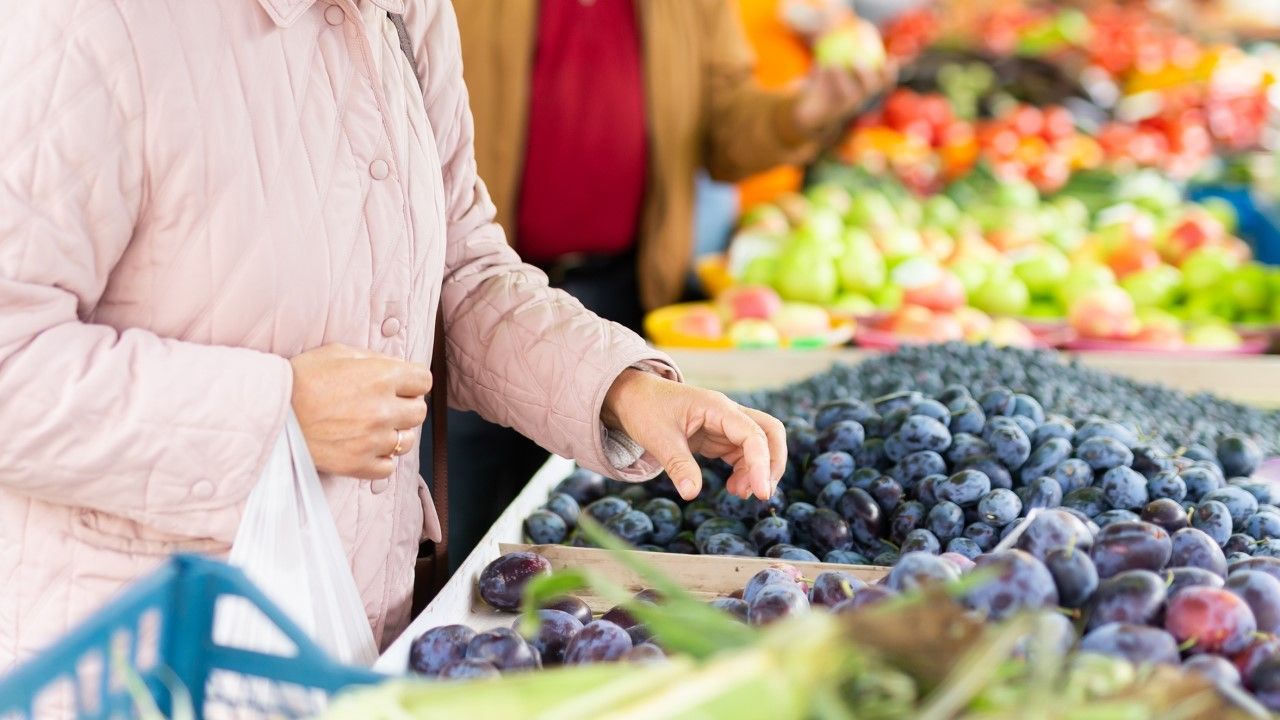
(379,169)
(390,326)
(334,15)
(202,489)
(377,487)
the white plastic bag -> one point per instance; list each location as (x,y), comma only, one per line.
(288,546)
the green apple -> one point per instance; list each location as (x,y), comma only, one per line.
(1223,211)
(1017,194)
(900,242)
(1213,336)
(972,273)
(870,209)
(822,226)
(1081,278)
(830,195)
(765,217)
(1001,294)
(1207,267)
(806,273)
(888,298)
(1042,269)
(853,304)
(1248,287)
(861,266)
(761,270)
(1155,287)
(1073,210)
(1043,310)
(1066,238)
(1210,304)
(941,211)
(854,45)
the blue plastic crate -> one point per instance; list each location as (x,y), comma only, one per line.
(1258,224)
(162,626)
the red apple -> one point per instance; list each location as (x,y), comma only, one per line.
(911,321)
(1105,312)
(944,294)
(749,301)
(700,321)
(975,323)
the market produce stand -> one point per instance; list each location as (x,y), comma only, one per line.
(1254,380)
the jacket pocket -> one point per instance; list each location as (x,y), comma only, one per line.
(112,532)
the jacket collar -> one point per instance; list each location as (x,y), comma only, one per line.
(285,12)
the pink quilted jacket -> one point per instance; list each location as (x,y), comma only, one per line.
(190,193)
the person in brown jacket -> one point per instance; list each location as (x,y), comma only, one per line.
(592,118)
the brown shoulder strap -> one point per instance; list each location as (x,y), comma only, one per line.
(439,397)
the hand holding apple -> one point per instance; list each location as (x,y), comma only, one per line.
(832,94)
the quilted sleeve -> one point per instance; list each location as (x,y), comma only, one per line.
(520,353)
(750,129)
(169,434)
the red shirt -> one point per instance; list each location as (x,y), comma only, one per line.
(585,159)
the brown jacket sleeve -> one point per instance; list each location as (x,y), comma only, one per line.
(749,129)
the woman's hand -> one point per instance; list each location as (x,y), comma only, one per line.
(358,409)
(833,94)
(673,421)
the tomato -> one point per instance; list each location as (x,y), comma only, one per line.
(1026,120)
(900,108)
(1058,123)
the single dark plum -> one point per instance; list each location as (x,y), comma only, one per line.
(1137,644)
(632,527)
(1268,565)
(544,527)
(1167,484)
(982,534)
(1054,426)
(1130,546)
(998,401)
(769,532)
(665,516)
(825,468)
(565,506)
(504,648)
(572,605)
(597,641)
(1010,444)
(964,488)
(999,507)
(831,588)
(469,669)
(434,649)
(555,629)
(1021,582)
(1214,519)
(909,516)
(1045,459)
(502,581)
(920,432)
(1042,492)
(864,516)
(918,569)
(945,520)
(966,447)
(728,544)
(1199,481)
(1103,453)
(916,466)
(865,597)
(920,540)
(792,553)
(1177,578)
(1240,503)
(1073,574)
(776,601)
(932,408)
(1073,474)
(1133,596)
(1194,548)
(963,546)
(737,607)
(966,417)
(1239,455)
(1091,501)
(1239,543)
(1124,488)
(845,557)
(887,493)
(1101,427)
(696,513)
(1214,668)
(1263,525)
(1114,516)
(583,486)
(1053,530)
(844,435)
(997,474)
(1261,592)
(1166,513)
(832,412)
(716,526)
(768,576)
(831,494)
(606,507)
(829,531)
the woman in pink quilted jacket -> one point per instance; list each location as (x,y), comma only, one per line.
(211,212)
